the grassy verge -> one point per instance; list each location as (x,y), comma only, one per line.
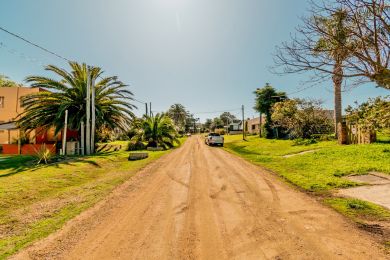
(36,201)
(358,210)
(320,170)
(317,171)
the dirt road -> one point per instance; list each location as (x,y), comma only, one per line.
(200,202)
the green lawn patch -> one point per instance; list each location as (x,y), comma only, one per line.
(37,200)
(317,171)
(359,209)
(322,169)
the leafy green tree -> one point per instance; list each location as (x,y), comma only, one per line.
(208,123)
(217,123)
(157,131)
(46,109)
(178,114)
(371,115)
(190,121)
(227,117)
(266,97)
(301,118)
(5,82)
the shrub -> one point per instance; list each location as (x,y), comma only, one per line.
(135,146)
(372,115)
(301,141)
(104,135)
(323,137)
(43,154)
(301,118)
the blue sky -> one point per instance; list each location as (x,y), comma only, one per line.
(208,55)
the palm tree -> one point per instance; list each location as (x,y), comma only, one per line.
(335,43)
(178,114)
(46,109)
(158,131)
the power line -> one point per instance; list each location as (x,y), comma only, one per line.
(34,44)
(21,55)
(220,111)
(50,52)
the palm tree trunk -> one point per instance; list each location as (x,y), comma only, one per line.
(337,82)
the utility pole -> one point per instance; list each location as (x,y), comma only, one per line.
(88,116)
(150,109)
(261,121)
(194,126)
(93,126)
(146,107)
(82,138)
(243,123)
(64,133)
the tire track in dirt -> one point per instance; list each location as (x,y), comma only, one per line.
(199,202)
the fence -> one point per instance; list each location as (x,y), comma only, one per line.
(355,134)
(29,149)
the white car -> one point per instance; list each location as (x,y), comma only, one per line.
(214,139)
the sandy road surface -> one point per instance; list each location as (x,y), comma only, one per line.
(200,202)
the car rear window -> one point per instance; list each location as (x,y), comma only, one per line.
(214,134)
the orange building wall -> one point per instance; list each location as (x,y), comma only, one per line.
(12,109)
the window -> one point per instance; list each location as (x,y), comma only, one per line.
(253,127)
(1,102)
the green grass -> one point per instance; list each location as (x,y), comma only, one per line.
(383,137)
(318,171)
(358,209)
(36,201)
(322,170)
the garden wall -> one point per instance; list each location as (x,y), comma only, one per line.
(29,149)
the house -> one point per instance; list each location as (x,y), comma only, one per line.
(234,127)
(10,135)
(10,109)
(253,125)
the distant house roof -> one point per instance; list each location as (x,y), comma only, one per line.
(236,122)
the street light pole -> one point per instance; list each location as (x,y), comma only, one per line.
(93,115)
(64,133)
(88,117)
(243,123)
